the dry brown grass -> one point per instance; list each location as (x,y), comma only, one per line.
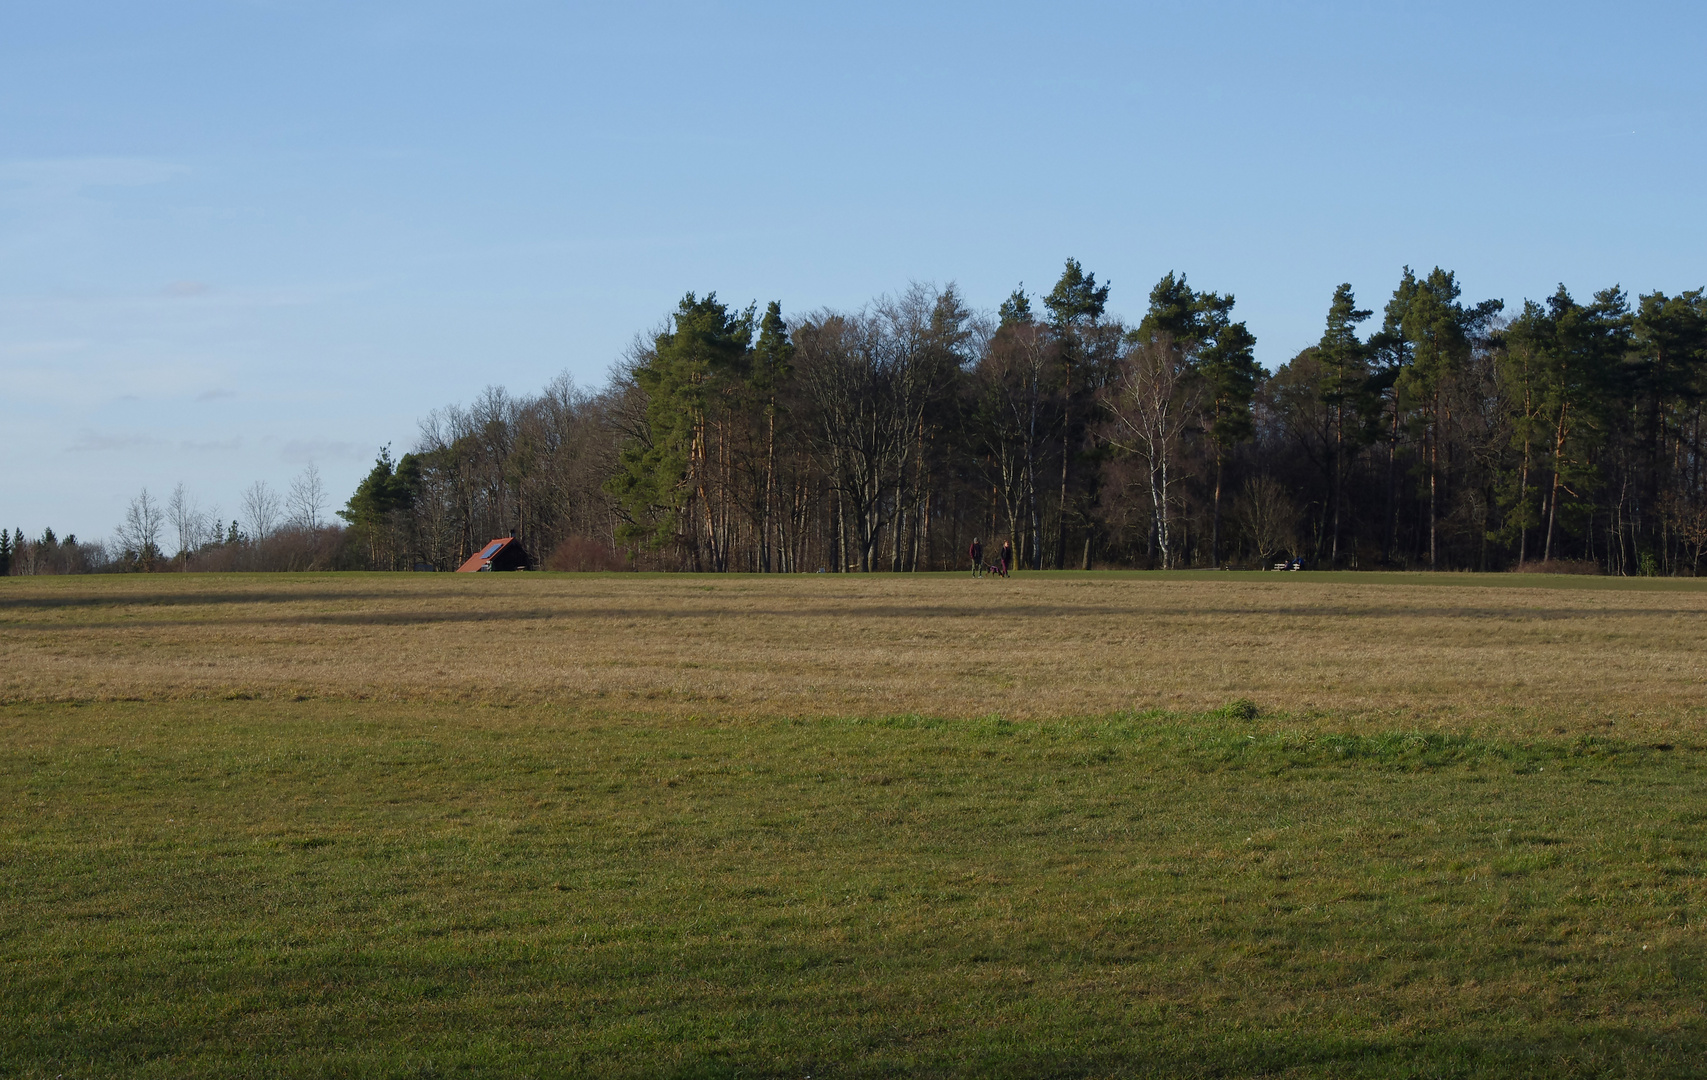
(1495,654)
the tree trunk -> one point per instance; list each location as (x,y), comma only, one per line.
(1339,484)
(1553,500)
(922,553)
(1523,504)
(1523,477)
(1066,457)
(1392,510)
(1433,474)
(1159,506)
(896,563)
(766,545)
(1215,527)
(1036,553)
(841,535)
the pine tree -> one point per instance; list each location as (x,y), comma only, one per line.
(1228,365)
(385,489)
(1345,365)
(773,362)
(1522,348)
(1199,328)
(1076,303)
(1392,354)
(663,481)
(1587,347)
(1440,331)
(1016,309)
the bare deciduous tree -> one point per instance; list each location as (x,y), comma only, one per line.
(1152,402)
(1268,516)
(261,508)
(870,378)
(187,520)
(307,499)
(140,533)
(1012,417)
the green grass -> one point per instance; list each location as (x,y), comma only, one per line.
(347,888)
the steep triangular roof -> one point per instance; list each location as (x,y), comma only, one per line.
(480,559)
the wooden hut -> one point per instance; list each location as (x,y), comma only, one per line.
(504,553)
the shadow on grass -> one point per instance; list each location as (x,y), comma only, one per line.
(1621,1051)
(573,610)
(1235,738)
(223,598)
(1600,1051)
(477,1047)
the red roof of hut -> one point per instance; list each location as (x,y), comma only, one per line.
(502,553)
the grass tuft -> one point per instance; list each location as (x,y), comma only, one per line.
(1241,709)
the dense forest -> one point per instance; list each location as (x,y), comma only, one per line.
(1437,433)
(1441,433)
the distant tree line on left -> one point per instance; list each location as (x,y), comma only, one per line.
(275,531)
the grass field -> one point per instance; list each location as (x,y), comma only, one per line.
(536,825)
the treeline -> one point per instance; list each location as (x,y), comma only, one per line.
(1443,434)
(276,531)
(1438,433)
(49,554)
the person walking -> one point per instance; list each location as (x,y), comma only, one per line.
(977,553)
(1007,556)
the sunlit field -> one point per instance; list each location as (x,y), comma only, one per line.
(1457,652)
(1060,825)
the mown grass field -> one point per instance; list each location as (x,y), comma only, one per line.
(627,826)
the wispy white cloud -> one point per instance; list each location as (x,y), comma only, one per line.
(90,441)
(208,446)
(61,177)
(104,442)
(43,347)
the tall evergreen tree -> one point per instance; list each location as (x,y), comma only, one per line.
(1227,363)
(1392,354)
(1345,369)
(1076,303)
(1524,346)
(1667,378)
(1587,346)
(662,480)
(388,487)
(773,362)
(1198,326)
(1441,333)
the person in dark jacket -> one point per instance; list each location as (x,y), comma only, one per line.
(977,553)
(1007,556)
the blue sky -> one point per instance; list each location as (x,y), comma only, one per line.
(237,237)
